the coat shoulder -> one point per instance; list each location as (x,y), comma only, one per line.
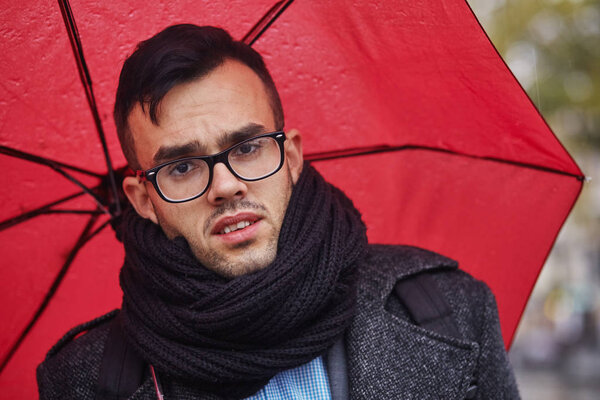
(401,260)
(384,265)
(71,367)
(472,304)
(468,297)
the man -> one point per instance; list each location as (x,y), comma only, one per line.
(246,274)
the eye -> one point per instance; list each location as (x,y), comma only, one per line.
(248,149)
(181,168)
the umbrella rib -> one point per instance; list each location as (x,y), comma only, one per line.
(77,212)
(81,241)
(38,211)
(86,80)
(98,230)
(84,188)
(9,151)
(363,151)
(265,22)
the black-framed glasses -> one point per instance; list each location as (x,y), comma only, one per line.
(188,178)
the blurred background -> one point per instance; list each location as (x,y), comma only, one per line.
(553,49)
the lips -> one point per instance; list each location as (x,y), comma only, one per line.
(235,227)
(234,223)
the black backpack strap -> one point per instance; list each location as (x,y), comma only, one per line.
(122,370)
(426,305)
(428,308)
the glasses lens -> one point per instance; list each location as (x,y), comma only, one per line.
(183,179)
(255,158)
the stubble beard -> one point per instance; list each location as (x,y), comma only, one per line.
(251,260)
(247,257)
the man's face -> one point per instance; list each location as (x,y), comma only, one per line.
(205,117)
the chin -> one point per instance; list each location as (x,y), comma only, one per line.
(246,261)
(234,271)
(251,262)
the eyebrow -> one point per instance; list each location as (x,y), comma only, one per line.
(167,153)
(227,139)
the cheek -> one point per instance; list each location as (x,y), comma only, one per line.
(177,220)
(281,193)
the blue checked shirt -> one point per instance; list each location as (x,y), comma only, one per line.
(307,382)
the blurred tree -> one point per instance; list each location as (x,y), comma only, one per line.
(553,48)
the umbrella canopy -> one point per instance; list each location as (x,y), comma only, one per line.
(406,103)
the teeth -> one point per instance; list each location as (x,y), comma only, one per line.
(235,227)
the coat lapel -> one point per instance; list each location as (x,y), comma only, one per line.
(388,356)
(337,370)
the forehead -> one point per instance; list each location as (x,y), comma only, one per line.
(203,111)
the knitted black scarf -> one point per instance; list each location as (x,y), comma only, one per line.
(230,336)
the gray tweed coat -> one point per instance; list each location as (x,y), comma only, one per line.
(383,355)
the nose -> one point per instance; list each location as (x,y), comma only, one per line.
(225,186)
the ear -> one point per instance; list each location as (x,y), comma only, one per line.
(293,153)
(137,193)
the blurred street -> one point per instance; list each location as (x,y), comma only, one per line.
(536,384)
(553,49)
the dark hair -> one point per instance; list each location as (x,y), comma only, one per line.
(176,55)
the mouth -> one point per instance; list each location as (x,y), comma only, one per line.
(235,227)
(235,223)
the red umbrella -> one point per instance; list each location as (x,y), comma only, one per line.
(409,105)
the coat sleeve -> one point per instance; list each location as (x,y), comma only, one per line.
(494,374)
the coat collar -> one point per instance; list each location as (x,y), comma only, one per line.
(387,355)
